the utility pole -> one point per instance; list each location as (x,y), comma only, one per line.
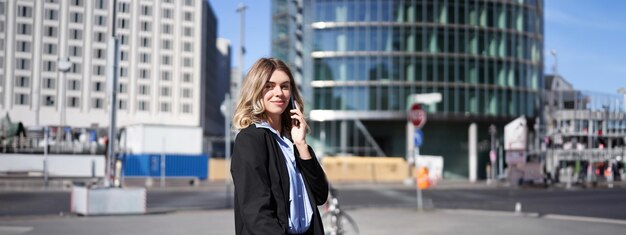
(241,9)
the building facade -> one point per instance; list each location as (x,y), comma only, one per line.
(362,59)
(165,46)
(583,129)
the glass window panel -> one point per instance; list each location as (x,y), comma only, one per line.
(385,98)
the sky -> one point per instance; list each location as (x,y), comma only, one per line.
(589,37)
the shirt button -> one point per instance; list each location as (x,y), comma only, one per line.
(299,195)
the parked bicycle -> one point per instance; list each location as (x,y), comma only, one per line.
(337,221)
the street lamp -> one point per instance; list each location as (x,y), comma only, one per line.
(556,62)
(241,9)
(622,91)
(63,65)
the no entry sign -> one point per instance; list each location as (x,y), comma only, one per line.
(417,116)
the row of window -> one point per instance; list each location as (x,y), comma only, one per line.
(493,14)
(98,103)
(452,70)
(99,86)
(103,5)
(50,66)
(427,39)
(76,34)
(392,98)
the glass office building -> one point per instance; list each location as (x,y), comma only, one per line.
(361,59)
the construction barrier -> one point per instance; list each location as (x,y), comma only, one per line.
(167,165)
(342,169)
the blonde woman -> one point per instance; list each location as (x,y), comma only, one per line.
(278,181)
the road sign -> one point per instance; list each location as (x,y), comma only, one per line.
(417,116)
(418,138)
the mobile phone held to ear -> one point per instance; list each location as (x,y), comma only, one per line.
(294,105)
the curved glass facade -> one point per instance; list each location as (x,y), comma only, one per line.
(483,56)
(363,58)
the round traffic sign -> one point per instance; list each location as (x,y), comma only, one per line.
(417,116)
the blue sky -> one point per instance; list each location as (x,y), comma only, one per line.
(588,35)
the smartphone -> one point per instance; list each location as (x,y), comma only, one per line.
(294,105)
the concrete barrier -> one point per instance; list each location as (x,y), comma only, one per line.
(342,169)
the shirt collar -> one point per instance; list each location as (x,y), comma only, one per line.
(266,125)
(282,139)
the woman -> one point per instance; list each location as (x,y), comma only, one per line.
(278,181)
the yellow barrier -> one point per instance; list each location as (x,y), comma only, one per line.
(343,169)
(217,169)
(365,169)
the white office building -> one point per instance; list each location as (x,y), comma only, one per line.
(162,68)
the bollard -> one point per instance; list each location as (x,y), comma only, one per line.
(608,173)
(518,208)
(568,174)
(488,173)
(45,171)
(93,169)
(589,173)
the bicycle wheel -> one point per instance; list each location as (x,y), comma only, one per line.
(345,226)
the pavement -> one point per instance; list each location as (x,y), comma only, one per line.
(369,221)
(37,184)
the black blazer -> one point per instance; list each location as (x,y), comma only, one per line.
(261,182)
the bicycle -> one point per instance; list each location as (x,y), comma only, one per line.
(335,220)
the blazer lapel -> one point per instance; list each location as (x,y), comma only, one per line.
(281,166)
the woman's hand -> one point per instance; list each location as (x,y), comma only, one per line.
(298,133)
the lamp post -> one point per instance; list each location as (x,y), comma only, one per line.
(64,65)
(113,48)
(622,90)
(556,62)
(241,9)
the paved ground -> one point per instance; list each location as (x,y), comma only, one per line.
(376,218)
(370,221)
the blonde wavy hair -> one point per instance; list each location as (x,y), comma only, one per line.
(250,108)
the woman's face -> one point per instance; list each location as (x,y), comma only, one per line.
(276,93)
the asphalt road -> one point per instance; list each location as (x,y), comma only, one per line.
(591,202)
(601,203)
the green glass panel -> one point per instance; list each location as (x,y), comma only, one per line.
(473,102)
(432,42)
(473,74)
(493,44)
(511,78)
(443,13)
(400,13)
(492,104)
(410,41)
(519,26)
(483,16)
(410,13)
